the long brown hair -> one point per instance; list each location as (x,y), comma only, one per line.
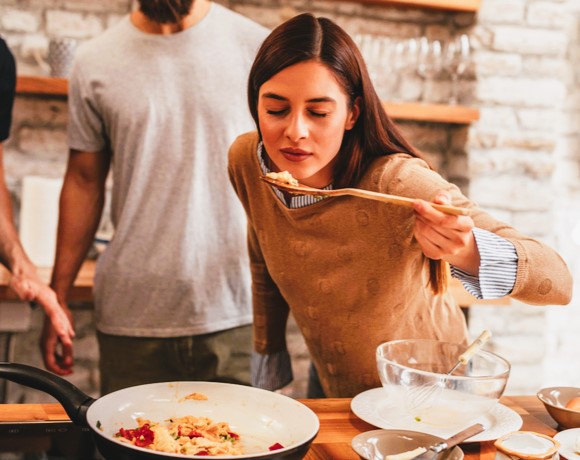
(305,38)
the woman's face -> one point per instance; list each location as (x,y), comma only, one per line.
(303,113)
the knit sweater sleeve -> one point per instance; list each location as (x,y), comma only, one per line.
(270,309)
(542,277)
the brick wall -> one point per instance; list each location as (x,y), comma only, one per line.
(524,160)
(516,160)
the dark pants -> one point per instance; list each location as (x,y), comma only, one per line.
(222,356)
(314,387)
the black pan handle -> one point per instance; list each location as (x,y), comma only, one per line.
(74,401)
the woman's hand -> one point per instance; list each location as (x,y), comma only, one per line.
(56,354)
(29,287)
(446,237)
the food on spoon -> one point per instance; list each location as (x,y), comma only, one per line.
(283,176)
(184,435)
(574,404)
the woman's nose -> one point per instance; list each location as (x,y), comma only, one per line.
(297,128)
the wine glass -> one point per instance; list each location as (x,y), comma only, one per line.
(429,59)
(457,59)
(404,61)
(371,48)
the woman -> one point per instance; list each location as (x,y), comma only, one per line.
(357,272)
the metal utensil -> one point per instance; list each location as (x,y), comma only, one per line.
(393,199)
(433,451)
(419,396)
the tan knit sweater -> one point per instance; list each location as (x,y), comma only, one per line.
(352,273)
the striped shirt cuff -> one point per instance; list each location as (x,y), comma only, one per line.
(497,269)
(271,372)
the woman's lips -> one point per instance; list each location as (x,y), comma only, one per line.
(294,154)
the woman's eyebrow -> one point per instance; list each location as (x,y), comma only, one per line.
(322,99)
(277,97)
(274,96)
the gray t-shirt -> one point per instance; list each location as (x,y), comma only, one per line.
(169,107)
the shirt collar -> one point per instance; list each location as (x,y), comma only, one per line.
(295,201)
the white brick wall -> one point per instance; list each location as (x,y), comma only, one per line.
(561,366)
(544,178)
(20,21)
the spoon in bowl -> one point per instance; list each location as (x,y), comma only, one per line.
(432,452)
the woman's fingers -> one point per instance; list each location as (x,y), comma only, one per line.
(57,356)
(31,289)
(440,234)
(22,287)
(58,316)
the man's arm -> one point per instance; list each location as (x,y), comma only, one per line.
(81,205)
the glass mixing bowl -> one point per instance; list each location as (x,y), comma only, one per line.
(414,374)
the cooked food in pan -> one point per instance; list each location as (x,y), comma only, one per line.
(184,435)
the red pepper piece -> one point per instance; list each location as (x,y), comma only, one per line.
(143,436)
(276,446)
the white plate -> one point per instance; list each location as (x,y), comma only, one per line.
(373,407)
(567,440)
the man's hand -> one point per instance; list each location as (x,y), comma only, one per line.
(56,354)
(29,287)
(446,237)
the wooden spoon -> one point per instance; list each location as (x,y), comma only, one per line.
(393,199)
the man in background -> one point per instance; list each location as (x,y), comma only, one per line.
(157,99)
(24,280)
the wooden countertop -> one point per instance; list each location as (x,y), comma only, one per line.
(83,288)
(338,424)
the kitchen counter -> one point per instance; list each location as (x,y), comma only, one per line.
(338,424)
(82,290)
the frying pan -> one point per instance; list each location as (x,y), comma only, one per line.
(261,418)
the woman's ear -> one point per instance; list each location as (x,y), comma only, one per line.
(353,115)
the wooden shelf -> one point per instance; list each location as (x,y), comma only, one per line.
(413,111)
(436,113)
(470,6)
(38,85)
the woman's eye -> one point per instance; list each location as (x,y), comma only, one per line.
(276,112)
(319,114)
